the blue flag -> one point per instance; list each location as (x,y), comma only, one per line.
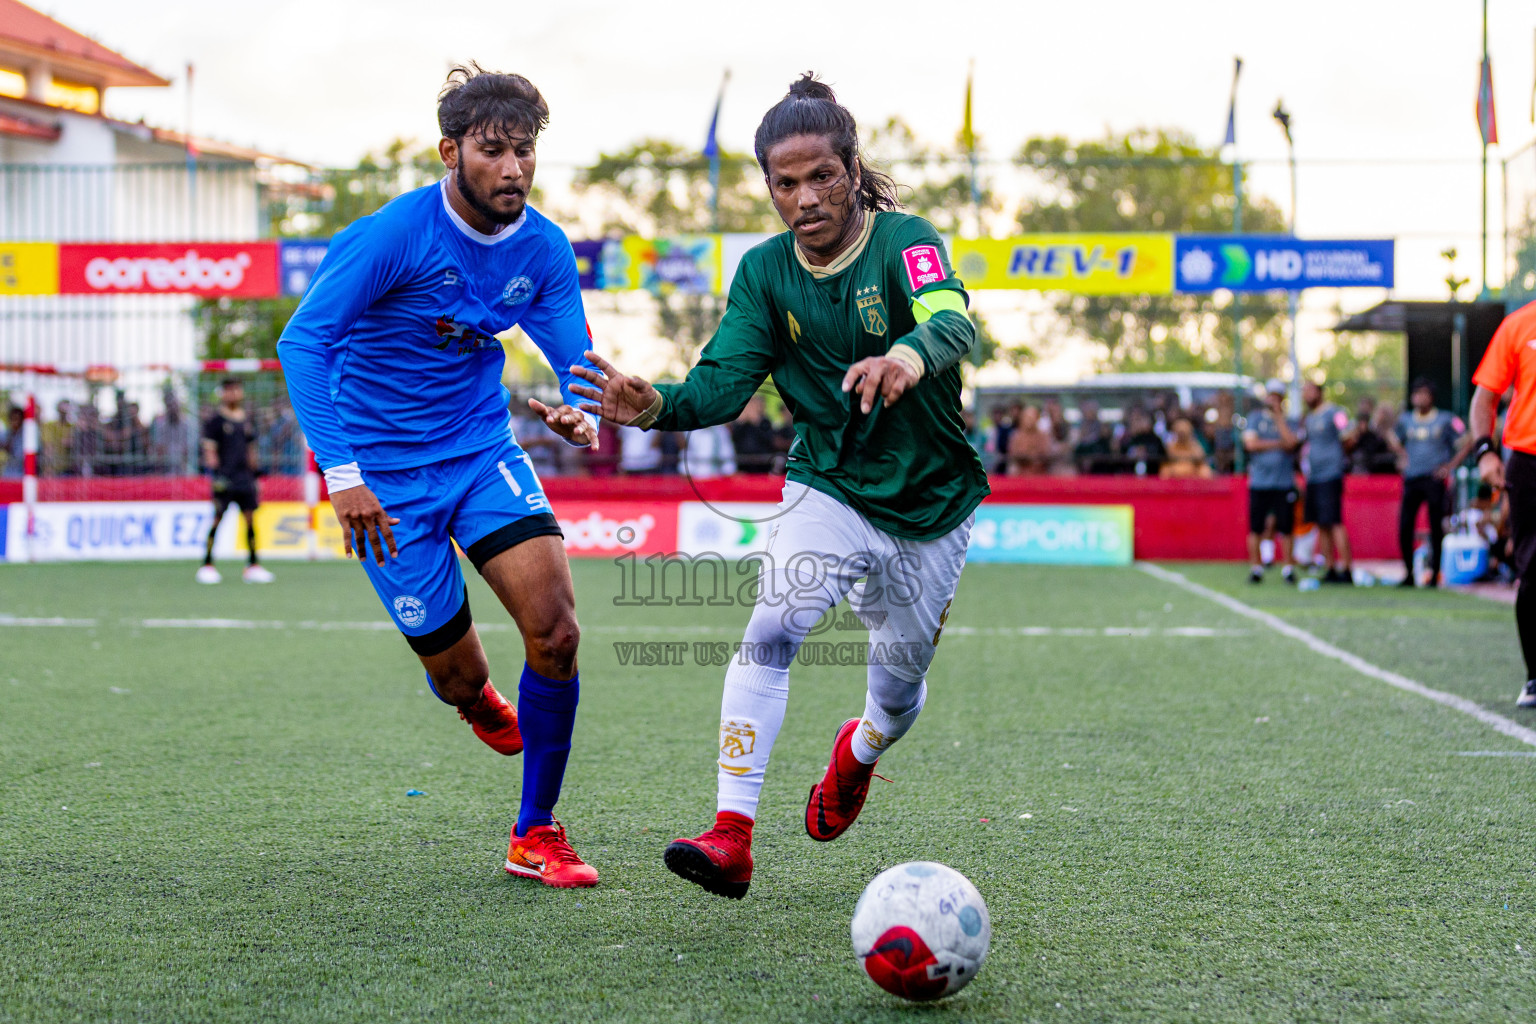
(711,144)
(1231,136)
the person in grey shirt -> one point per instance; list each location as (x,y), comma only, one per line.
(1326,433)
(1431,443)
(1270,441)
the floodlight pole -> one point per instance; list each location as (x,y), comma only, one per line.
(1283,119)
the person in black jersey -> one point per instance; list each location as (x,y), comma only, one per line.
(229,455)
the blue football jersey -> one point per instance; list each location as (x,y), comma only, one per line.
(392,359)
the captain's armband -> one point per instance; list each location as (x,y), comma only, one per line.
(926,305)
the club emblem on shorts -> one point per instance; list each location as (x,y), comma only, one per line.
(737,739)
(518,291)
(872,310)
(410,611)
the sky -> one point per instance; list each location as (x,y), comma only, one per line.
(1381,93)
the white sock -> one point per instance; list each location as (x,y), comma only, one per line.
(891,705)
(751,714)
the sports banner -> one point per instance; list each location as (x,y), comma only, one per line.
(29,268)
(589,263)
(731,529)
(211,269)
(1257,263)
(1086,264)
(1052,534)
(118,531)
(298,260)
(684,263)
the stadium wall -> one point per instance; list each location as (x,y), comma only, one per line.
(1172,519)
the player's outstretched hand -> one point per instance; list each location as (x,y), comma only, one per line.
(360,514)
(567,422)
(878,375)
(616,396)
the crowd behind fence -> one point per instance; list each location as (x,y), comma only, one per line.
(147,422)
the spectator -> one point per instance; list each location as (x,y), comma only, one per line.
(1053,420)
(709,453)
(1003,422)
(752,438)
(1223,433)
(1432,443)
(640,451)
(57,437)
(1325,433)
(283,442)
(1186,455)
(1271,443)
(1029,446)
(670,445)
(1370,449)
(1140,447)
(974,434)
(14,463)
(1094,451)
(604,461)
(1384,426)
(88,440)
(534,437)
(171,436)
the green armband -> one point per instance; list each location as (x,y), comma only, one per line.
(926,305)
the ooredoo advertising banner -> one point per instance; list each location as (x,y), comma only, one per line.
(210,269)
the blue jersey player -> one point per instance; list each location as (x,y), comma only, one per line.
(395,372)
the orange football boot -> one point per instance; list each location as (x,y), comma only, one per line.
(720,860)
(494,721)
(835,801)
(545,854)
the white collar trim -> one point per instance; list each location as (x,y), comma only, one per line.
(478,236)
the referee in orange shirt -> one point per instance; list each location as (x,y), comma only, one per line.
(1511,361)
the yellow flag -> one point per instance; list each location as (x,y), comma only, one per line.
(967,133)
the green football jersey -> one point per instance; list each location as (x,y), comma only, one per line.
(908,468)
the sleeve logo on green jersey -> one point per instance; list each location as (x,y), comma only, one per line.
(923,265)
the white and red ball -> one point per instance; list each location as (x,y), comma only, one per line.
(921,930)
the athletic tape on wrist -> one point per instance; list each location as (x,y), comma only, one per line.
(907,356)
(647,419)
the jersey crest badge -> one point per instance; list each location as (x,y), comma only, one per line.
(872,312)
(518,291)
(923,265)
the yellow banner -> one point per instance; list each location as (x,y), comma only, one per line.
(282,531)
(1108,264)
(29,268)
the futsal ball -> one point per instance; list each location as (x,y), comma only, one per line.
(921,930)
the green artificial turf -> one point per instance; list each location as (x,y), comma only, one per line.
(203,824)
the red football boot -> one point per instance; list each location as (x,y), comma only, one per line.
(835,801)
(494,721)
(720,860)
(545,854)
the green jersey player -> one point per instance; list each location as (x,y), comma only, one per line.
(859,319)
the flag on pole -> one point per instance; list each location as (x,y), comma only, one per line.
(967,132)
(1231,137)
(712,151)
(711,143)
(191,142)
(1487,124)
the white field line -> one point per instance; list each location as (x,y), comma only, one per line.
(1354,661)
(385,626)
(33,622)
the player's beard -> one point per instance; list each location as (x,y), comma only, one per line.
(482,206)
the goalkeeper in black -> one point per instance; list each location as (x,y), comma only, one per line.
(858,317)
(229,454)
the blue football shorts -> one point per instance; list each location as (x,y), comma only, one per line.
(487,501)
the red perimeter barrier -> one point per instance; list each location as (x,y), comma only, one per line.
(1175,519)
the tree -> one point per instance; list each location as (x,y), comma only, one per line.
(1154,180)
(658,188)
(936,183)
(337,196)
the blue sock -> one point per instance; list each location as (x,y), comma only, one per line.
(546,713)
(439,696)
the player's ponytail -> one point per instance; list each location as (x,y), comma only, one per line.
(811,108)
